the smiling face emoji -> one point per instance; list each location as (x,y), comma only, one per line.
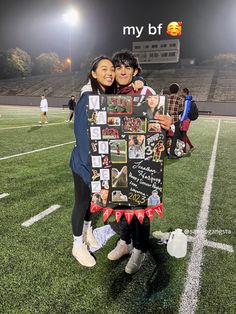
(174,29)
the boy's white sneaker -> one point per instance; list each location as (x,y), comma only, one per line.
(135,262)
(120,250)
(82,255)
(89,238)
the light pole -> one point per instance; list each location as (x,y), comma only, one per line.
(71,19)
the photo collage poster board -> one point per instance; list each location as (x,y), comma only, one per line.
(127,148)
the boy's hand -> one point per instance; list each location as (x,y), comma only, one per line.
(137,85)
(164,120)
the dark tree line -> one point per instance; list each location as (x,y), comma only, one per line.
(16,62)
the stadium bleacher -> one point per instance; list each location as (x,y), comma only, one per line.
(225,85)
(198,80)
(205,83)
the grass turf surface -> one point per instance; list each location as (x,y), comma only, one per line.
(39,274)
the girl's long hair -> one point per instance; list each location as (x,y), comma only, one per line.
(96,87)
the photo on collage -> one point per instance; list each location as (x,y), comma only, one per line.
(120,177)
(118,151)
(119,104)
(136,146)
(118,196)
(110,133)
(154,126)
(134,125)
(113,121)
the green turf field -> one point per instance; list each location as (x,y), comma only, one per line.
(38,272)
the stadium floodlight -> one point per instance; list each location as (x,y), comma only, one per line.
(71,19)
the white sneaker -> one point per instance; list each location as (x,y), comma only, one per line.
(46,122)
(81,253)
(40,122)
(120,250)
(89,238)
(135,262)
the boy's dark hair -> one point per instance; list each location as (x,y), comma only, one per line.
(174,88)
(186,90)
(127,58)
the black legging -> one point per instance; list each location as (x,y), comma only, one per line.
(71,115)
(81,210)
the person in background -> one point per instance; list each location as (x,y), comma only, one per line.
(185,123)
(71,105)
(175,108)
(100,81)
(44,110)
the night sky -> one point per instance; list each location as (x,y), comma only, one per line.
(36,26)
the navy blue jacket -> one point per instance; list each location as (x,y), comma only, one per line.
(80,161)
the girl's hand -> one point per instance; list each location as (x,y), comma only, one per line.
(137,85)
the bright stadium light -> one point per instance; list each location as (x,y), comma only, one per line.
(71,19)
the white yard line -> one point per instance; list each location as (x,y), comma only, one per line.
(189,296)
(36,150)
(2,195)
(41,215)
(214,245)
(30,126)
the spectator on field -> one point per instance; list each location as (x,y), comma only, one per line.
(185,123)
(44,110)
(71,105)
(175,108)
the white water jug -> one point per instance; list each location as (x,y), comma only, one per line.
(177,244)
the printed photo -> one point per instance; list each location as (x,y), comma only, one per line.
(120,177)
(134,125)
(157,150)
(118,196)
(119,104)
(153,199)
(93,118)
(153,104)
(101,197)
(154,126)
(118,151)
(110,133)
(113,121)
(136,146)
